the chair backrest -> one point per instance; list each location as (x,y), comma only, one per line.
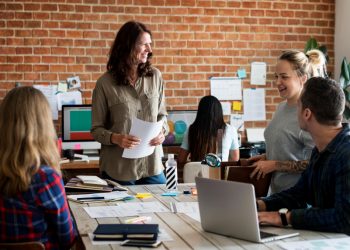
(240,171)
(34,245)
(193,169)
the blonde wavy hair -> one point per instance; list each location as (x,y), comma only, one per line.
(28,139)
(311,64)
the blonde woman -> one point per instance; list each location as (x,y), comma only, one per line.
(288,147)
(32,197)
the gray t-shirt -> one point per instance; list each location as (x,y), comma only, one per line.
(286,141)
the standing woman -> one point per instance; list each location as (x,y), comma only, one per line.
(33,204)
(202,136)
(131,87)
(288,147)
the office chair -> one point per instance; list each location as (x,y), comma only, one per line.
(240,171)
(34,245)
(193,169)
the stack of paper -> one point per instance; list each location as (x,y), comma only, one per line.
(100,197)
(76,184)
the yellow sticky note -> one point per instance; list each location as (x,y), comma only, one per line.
(143,195)
(237,105)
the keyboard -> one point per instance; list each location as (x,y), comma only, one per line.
(266,235)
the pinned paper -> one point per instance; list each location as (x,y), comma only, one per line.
(62,87)
(241,73)
(236,120)
(237,105)
(226,108)
(258,73)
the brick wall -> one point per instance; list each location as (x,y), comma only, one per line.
(42,41)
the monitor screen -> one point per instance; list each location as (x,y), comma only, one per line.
(76,125)
(178,121)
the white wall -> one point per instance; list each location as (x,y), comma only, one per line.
(342,34)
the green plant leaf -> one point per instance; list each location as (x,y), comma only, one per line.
(311,44)
(345,71)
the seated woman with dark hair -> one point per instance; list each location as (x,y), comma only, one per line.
(207,131)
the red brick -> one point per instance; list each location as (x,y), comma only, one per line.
(31,7)
(14,6)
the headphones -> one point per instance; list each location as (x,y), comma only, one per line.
(212,160)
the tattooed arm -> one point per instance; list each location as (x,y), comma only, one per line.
(291,166)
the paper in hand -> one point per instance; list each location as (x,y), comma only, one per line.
(146,131)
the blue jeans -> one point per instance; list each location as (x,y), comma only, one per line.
(155,179)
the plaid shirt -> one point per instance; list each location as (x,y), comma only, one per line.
(321,198)
(39,214)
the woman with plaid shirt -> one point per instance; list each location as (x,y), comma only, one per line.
(33,205)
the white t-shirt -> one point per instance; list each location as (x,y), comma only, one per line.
(229,141)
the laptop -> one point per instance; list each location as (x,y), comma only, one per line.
(229,208)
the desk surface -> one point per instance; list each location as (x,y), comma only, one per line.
(186,232)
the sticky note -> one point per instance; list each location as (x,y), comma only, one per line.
(237,105)
(170,194)
(143,195)
(241,73)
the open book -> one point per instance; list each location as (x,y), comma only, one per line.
(92,180)
(86,183)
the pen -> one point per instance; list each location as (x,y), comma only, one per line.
(91,198)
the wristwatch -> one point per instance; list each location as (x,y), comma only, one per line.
(283,213)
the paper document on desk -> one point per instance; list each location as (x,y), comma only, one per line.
(191,209)
(110,196)
(329,244)
(146,131)
(125,209)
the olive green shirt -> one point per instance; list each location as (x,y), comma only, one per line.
(113,107)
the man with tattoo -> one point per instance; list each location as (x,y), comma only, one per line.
(320,200)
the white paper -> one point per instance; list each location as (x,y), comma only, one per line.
(226,88)
(236,120)
(254,104)
(146,131)
(258,73)
(69,98)
(108,211)
(50,93)
(125,209)
(326,244)
(226,108)
(255,134)
(110,196)
(191,209)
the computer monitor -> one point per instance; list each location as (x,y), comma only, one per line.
(178,121)
(76,125)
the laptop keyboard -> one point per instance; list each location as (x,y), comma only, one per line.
(266,235)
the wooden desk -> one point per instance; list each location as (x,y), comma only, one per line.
(186,232)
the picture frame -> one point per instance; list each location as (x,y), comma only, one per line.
(73,82)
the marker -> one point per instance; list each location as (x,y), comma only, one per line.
(91,198)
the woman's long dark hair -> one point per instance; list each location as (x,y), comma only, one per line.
(122,55)
(202,134)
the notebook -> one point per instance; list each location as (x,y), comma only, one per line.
(126,231)
(229,208)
